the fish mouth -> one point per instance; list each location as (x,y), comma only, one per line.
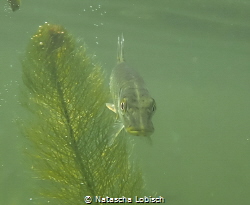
(139,131)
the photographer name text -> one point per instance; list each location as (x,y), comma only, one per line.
(123,199)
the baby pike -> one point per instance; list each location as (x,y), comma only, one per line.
(133,105)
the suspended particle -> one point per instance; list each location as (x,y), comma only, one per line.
(14,4)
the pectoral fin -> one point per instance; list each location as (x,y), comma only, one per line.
(111,107)
(114,132)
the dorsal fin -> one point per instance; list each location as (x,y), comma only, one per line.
(120,49)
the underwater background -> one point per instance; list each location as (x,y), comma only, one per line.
(194,58)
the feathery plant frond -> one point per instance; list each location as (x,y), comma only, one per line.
(66,94)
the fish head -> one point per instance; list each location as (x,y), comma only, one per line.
(136,114)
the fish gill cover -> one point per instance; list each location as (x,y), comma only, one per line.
(66,94)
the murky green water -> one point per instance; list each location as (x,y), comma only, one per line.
(194,57)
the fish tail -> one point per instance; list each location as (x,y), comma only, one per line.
(120,49)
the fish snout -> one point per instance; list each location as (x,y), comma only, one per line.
(138,131)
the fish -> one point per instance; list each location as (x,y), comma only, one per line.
(132,103)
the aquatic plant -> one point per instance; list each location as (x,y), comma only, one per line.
(66,93)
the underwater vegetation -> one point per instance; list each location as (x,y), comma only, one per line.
(68,123)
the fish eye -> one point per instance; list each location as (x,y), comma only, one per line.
(123,105)
(154,108)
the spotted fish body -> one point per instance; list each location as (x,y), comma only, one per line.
(132,103)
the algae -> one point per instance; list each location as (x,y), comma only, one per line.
(66,92)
